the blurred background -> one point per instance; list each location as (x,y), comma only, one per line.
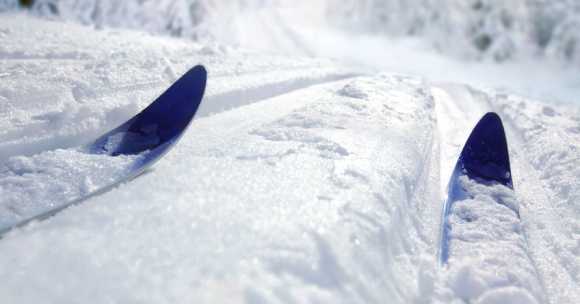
(526,42)
(300,181)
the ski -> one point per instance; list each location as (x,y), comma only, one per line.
(136,145)
(484,160)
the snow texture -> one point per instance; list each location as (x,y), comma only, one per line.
(301,180)
(550,228)
(488,251)
(32,185)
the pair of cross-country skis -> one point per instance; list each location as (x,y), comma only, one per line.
(145,138)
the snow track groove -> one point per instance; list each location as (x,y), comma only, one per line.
(456,121)
(242,91)
(542,143)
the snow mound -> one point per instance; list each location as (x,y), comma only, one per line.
(309,196)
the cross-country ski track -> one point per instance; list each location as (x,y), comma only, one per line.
(300,179)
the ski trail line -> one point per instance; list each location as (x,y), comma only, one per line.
(246,94)
(454,126)
(458,108)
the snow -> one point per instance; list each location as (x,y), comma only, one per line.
(488,250)
(32,185)
(482,30)
(264,229)
(302,179)
(86,90)
(550,228)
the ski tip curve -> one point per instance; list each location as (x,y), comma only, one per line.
(156,129)
(485,154)
(162,122)
(173,110)
(484,158)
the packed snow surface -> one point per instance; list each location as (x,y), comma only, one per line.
(34,184)
(300,180)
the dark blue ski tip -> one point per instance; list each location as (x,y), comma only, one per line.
(485,154)
(484,158)
(152,132)
(159,126)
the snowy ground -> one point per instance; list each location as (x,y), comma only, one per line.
(302,180)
